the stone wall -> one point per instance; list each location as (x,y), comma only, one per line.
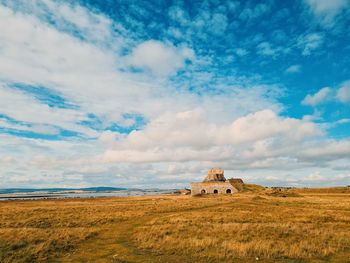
(215,174)
(210,187)
(237,183)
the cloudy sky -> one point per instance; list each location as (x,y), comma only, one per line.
(154,93)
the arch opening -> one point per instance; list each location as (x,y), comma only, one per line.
(203,191)
(216,191)
(228,191)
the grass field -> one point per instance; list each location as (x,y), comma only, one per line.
(259,225)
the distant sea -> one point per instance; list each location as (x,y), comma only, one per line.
(90,192)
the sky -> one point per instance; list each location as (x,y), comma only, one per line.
(154,93)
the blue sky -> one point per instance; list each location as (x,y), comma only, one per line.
(154,93)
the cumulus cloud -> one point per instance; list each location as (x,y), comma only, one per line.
(187,136)
(326,11)
(241,52)
(343,94)
(161,59)
(293,69)
(254,12)
(319,97)
(265,48)
(269,49)
(218,23)
(179,15)
(328,151)
(7,160)
(310,42)
(343,121)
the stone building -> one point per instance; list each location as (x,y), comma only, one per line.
(216,183)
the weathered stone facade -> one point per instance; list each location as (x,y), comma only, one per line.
(212,188)
(214,175)
(216,183)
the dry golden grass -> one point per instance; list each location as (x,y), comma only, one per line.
(291,226)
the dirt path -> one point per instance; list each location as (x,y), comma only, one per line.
(113,243)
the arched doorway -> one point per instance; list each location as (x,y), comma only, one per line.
(216,191)
(228,191)
(203,192)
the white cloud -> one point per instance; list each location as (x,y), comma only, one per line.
(68,17)
(324,6)
(160,58)
(7,161)
(343,121)
(269,50)
(21,107)
(187,136)
(321,96)
(241,52)
(218,23)
(257,11)
(310,42)
(266,49)
(43,129)
(293,69)
(328,151)
(327,10)
(343,94)
(178,14)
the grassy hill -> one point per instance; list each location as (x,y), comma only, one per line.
(253,188)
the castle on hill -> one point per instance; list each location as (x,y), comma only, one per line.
(216,183)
